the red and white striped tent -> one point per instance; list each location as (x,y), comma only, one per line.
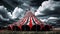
(30,22)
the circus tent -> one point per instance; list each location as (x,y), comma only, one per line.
(29,23)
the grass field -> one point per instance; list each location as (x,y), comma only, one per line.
(30,32)
(55,31)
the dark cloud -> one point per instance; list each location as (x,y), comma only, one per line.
(49,8)
(10,4)
(4,16)
(3,12)
(18,13)
(52,10)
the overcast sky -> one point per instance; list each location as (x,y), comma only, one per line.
(48,8)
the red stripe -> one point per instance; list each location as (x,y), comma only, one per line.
(11,26)
(30,23)
(21,20)
(24,21)
(37,21)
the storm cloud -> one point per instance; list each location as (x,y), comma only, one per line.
(49,8)
(4,14)
(18,13)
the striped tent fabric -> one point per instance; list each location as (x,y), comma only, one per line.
(29,23)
